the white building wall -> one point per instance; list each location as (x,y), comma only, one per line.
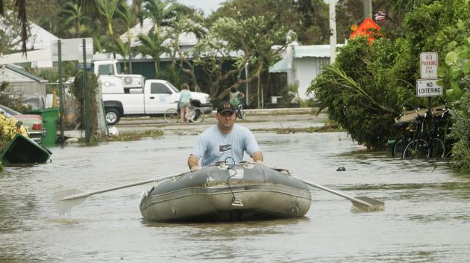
(307,69)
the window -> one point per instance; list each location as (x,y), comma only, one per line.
(159,88)
(105,70)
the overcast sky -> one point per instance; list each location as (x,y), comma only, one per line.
(208,6)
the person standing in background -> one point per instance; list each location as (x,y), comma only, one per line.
(185,102)
(235,96)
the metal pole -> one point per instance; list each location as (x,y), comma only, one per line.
(85,93)
(367,8)
(246,85)
(61,93)
(333,31)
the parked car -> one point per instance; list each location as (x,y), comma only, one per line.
(32,123)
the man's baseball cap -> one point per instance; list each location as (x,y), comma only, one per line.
(225,106)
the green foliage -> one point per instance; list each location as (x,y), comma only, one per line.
(152,45)
(360,92)
(172,75)
(253,36)
(288,94)
(453,42)
(9,32)
(461,132)
(77,90)
(15,103)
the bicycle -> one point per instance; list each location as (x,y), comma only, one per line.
(405,129)
(418,147)
(438,137)
(240,112)
(196,115)
(428,140)
(405,138)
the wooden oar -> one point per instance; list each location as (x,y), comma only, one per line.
(66,199)
(363,203)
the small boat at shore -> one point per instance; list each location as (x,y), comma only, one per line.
(227,192)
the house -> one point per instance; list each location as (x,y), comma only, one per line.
(22,82)
(39,48)
(302,64)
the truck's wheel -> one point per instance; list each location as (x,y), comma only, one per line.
(112,116)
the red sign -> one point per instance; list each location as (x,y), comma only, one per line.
(366,28)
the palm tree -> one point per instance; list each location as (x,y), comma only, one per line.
(106,10)
(126,13)
(21,7)
(152,45)
(182,24)
(137,6)
(119,47)
(162,11)
(74,15)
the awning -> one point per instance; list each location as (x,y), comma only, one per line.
(280,66)
(316,51)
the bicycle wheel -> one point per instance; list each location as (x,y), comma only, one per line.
(398,148)
(241,114)
(417,148)
(196,114)
(437,149)
(172,116)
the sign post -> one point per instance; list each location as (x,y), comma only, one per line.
(74,49)
(427,85)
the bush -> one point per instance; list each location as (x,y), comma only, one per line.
(92,88)
(360,92)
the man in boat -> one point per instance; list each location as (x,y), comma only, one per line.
(224,142)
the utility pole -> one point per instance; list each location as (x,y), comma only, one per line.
(367,8)
(332,10)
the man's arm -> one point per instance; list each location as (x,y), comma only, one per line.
(257,157)
(193,163)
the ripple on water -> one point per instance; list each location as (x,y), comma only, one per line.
(425,218)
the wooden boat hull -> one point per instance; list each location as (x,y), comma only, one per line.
(245,191)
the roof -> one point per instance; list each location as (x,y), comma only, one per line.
(186,39)
(313,51)
(38,37)
(24,73)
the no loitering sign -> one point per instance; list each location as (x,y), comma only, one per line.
(428,88)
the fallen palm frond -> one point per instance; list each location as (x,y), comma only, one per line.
(345,81)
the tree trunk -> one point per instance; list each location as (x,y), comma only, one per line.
(260,92)
(156,68)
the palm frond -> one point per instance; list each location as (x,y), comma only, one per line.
(21,6)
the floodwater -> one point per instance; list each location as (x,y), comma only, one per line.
(426,217)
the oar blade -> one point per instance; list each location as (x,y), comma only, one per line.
(65,206)
(373,205)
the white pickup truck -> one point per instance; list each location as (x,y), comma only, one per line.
(154,98)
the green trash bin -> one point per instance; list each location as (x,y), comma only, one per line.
(23,150)
(49,119)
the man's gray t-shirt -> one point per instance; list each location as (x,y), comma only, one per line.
(213,146)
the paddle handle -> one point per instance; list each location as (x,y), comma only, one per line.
(77,196)
(336,193)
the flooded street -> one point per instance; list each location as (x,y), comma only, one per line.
(426,217)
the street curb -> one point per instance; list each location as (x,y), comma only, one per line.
(278,111)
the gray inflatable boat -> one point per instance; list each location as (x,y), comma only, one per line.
(227,192)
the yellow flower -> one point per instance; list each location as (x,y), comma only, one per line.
(8,130)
